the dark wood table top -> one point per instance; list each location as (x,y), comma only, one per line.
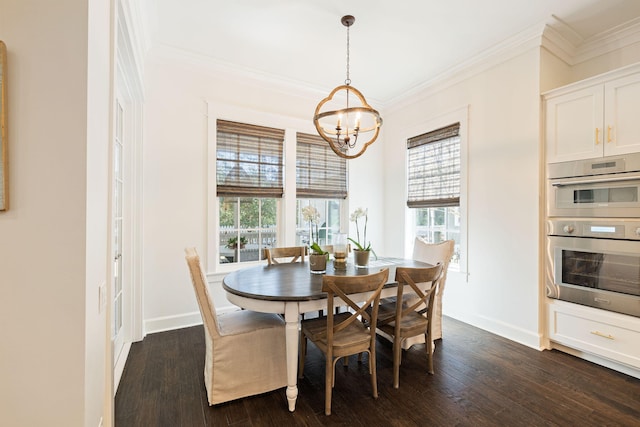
(294,282)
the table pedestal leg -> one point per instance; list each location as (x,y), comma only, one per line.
(291,319)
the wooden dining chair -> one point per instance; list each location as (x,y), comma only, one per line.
(430,253)
(345,334)
(245,350)
(405,320)
(284,254)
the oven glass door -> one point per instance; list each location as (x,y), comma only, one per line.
(599,264)
(607,272)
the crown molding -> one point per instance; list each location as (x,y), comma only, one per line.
(237,73)
(608,41)
(563,41)
(555,35)
(489,58)
(560,40)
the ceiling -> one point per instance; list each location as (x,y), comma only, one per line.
(395,46)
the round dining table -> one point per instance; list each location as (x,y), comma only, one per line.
(291,289)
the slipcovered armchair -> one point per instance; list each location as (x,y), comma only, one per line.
(434,253)
(245,350)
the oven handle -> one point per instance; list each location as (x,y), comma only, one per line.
(595,181)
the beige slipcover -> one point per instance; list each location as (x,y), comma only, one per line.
(245,350)
(434,253)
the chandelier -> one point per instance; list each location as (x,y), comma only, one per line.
(348,128)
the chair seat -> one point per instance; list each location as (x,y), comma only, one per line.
(352,336)
(246,321)
(387,308)
(410,323)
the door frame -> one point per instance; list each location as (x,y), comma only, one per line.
(127,80)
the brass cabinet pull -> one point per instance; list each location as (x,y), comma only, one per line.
(608,134)
(600,334)
(597,136)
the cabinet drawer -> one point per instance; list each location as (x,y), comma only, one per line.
(616,337)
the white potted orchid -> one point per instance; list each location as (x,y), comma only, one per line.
(363,247)
(317,256)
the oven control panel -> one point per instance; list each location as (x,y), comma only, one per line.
(602,229)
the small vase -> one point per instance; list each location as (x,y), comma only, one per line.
(361,258)
(317,263)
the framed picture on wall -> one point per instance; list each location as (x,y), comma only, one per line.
(4,162)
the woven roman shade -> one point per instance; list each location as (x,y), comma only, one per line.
(248,160)
(434,168)
(320,173)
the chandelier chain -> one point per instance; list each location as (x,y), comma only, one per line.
(348,80)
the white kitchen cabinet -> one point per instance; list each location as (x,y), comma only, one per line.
(621,129)
(612,336)
(594,118)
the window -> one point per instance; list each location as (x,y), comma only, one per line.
(439,224)
(247,225)
(328,225)
(321,181)
(249,172)
(434,185)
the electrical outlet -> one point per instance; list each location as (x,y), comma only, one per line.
(102,297)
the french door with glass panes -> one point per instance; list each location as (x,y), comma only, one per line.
(117,242)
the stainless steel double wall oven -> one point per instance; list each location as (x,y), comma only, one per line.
(593,233)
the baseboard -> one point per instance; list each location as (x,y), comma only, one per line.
(505,330)
(120,363)
(178,321)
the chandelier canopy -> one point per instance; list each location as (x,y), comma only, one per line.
(344,118)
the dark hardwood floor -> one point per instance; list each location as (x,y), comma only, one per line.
(480,380)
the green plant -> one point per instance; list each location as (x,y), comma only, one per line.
(232,243)
(317,249)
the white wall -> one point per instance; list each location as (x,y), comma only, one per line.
(501,293)
(175,173)
(554,71)
(97,393)
(51,361)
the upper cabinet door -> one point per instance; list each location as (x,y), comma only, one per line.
(574,125)
(622,116)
